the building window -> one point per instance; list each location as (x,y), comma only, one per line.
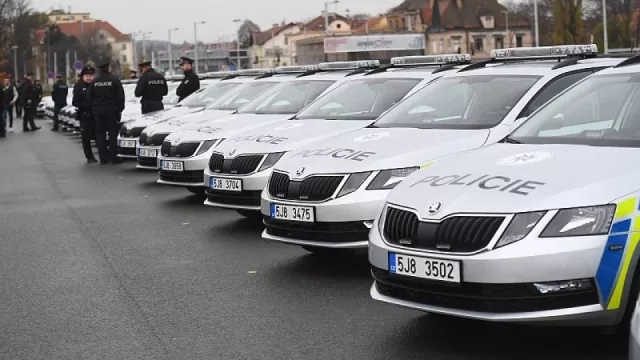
(123,47)
(101,36)
(455,44)
(518,40)
(499,40)
(434,47)
(124,59)
(441,46)
(478,44)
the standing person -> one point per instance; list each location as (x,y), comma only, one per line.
(18,104)
(38,87)
(3,119)
(29,95)
(84,115)
(59,96)
(190,83)
(152,87)
(11,98)
(133,74)
(106,101)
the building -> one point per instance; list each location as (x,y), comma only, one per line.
(475,27)
(60,16)
(211,57)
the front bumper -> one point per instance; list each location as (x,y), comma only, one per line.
(148,162)
(341,223)
(193,174)
(128,152)
(247,199)
(497,285)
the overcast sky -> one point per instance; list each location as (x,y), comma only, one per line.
(158,16)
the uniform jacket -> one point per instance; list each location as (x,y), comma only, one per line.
(28,93)
(189,85)
(80,99)
(106,95)
(152,86)
(59,93)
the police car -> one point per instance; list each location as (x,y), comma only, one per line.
(634,334)
(151,139)
(190,148)
(240,166)
(541,227)
(132,127)
(326,195)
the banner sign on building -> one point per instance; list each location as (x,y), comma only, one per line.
(346,44)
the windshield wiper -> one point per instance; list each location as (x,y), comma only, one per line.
(509,140)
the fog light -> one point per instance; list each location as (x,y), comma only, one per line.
(563,286)
(368,224)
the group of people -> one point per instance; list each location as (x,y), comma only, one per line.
(24,97)
(100,101)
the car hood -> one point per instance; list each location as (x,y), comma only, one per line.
(287,135)
(224,127)
(178,122)
(376,149)
(159,116)
(512,178)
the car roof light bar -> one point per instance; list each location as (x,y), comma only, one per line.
(421,60)
(545,52)
(254,72)
(348,65)
(295,69)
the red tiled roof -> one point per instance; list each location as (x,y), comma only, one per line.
(259,38)
(361,27)
(317,24)
(78,29)
(468,16)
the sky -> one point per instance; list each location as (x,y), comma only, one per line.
(132,16)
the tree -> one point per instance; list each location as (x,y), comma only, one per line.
(95,48)
(568,25)
(524,9)
(245,32)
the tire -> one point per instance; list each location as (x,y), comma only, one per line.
(251,215)
(196,190)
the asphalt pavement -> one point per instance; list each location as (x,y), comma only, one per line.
(100,262)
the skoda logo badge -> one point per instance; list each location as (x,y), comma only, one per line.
(300,171)
(176,140)
(434,208)
(232,152)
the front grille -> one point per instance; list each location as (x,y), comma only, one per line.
(329,232)
(143,139)
(243,164)
(242,198)
(492,298)
(131,133)
(455,234)
(145,161)
(156,140)
(183,150)
(186,177)
(314,188)
(127,151)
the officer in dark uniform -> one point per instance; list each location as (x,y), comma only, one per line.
(38,87)
(106,101)
(29,98)
(152,87)
(59,96)
(133,74)
(190,83)
(84,115)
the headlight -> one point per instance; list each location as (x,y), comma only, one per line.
(382,218)
(206,146)
(591,220)
(519,227)
(271,160)
(388,179)
(353,183)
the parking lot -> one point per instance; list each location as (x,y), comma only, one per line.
(99,261)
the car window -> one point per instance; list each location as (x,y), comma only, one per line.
(555,87)
(209,94)
(362,99)
(286,98)
(241,96)
(460,102)
(601,111)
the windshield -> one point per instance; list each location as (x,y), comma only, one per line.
(362,99)
(171,98)
(601,110)
(209,94)
(241,95)
(461,102)
(286,98)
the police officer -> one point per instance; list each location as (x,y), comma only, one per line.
(59,96)
(152,87)
(38,87)
(106,101)
(190,83)
(29,98)
(84,115)
(133,74)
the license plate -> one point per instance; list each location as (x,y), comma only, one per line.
(292,213)
(225,184)
(148,153)
(172,165)
(425,268)
(127,143)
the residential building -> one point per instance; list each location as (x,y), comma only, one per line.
(475,27)
(61,16)
(211,57)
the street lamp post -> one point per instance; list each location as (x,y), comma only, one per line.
(535,22)
(506,27)
(169,51)
(15,61)
(144,44)
(604,27)
(326,13)
(237,21)
(195,42)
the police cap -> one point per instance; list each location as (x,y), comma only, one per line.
(104,64)
(59,76)
(133,71)
(144,63)
(185,60)
(87,70)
